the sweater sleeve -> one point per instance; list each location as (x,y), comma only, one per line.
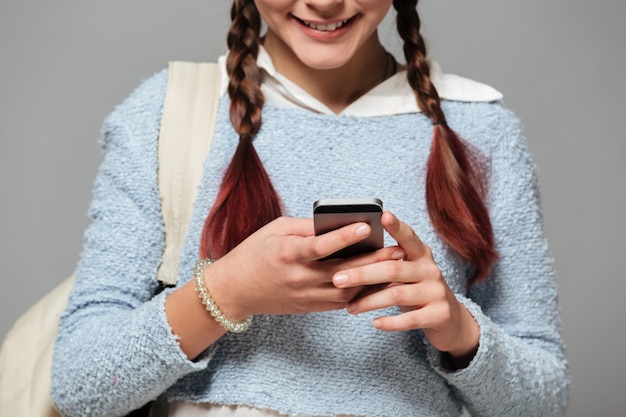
(520,368)
(115,350)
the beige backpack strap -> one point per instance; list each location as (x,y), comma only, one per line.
(186,132)
(189,116)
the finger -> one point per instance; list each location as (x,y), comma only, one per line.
(423,318)
(321,246)
(322,272)
(376,273)
(322,298)
(385,254)
(419,270)
(404,235)
(408,296)
(319,306)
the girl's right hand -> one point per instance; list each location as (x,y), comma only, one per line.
(277,270)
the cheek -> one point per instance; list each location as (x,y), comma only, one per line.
(272,9)
(275,14)
(378,9)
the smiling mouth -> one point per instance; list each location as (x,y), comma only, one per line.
(330,27)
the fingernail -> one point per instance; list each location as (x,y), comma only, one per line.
(340,279)
(362,230)
(377,323)
(351,307)
(398,255)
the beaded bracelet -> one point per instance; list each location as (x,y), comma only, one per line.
(211,306)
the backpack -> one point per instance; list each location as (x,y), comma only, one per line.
(187,125)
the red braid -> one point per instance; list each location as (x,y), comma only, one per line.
(246,199)
(454,191)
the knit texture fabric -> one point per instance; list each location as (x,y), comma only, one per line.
(115,350)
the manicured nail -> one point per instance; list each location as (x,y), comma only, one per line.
(362,230)
(340,279)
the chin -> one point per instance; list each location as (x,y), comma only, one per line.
(322,66)
(324,61)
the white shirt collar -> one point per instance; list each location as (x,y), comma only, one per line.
(393,96)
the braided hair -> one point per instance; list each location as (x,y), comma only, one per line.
(247,200)
(454,185)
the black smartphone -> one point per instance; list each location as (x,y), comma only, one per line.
(333,213)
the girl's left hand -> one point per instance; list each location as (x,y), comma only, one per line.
(417,286)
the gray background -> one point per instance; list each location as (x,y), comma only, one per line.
(560,65)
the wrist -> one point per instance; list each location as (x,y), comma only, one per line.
(469,337)
(222,312)
(222,283)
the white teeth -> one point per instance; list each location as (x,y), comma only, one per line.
(325,28)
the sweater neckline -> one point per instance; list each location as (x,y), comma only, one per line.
(391,97)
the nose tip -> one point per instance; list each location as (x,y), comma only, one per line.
(325,5)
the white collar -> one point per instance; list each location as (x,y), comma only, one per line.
(393,96)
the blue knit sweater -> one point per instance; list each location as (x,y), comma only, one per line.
(115,349)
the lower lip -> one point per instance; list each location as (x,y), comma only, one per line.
(325,35)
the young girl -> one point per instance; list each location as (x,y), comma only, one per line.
(458,310)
